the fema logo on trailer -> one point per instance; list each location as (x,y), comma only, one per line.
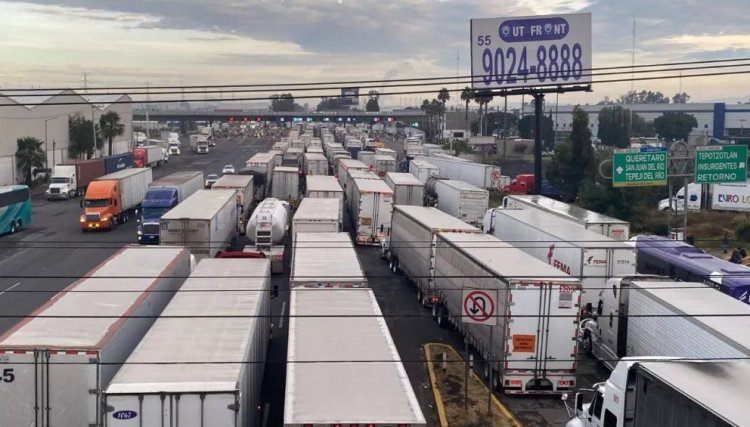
(124,415)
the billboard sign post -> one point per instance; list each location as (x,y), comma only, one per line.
(527,51)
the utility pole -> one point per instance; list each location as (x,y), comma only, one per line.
(538,111)
(148,124)
(85,83)
(632,83)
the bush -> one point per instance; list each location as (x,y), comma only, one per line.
(742,228)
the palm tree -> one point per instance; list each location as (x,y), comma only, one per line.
(110,127)
(467,95)
(29,154)
(443,96)
(483,99)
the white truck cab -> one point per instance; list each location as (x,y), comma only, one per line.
(62,183)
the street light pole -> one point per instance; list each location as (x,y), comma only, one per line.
(46,150)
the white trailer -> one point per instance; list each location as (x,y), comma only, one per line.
(386,152)
(346,165)
(315,164)
(590,220)
(56,368)
(460,199)
(423,170)
(263,164)
(244,190)
(371,206)
(479,174)
(132,184)
(650,316)
(184,182)
(217,394)
(410,246)
(317,215)
(199,144)
(533,345)
(325,187)
(345,392)
(206,222)
(366,157)
(383,164)
(589,256)
(285,184)
(407,189)
(349,187)
(325,260)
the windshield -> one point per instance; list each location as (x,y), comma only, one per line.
(97,203)
(155,211)
(212,176)
(58,180)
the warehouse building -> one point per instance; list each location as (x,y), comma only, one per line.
(44,115)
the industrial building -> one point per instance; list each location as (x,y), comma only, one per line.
(44,115)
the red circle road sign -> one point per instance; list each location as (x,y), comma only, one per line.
(479,306)
(495,175)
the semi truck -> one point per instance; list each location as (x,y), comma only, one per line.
(325,187)
(460,199)
(262,166)
(56,368)
(205,222)
(112,199)
(150,156)
(315,164)
(285,184)
(524,184)
(325,260)
(533,345)
(423,169)
(118,162)
(590,220)
(217,394)
(67,181)
(580,253)
(242,185)
(718,197)
(640,316)
(371,206)
(268,230)
(407,189)
(163,195)
(347,392)
(318,215)
(199,144)
(681,261)
(666,393)
(487,177)
(410,246)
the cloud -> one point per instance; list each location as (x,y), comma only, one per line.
(706,42)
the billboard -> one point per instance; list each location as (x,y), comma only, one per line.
(350,96)
(550,50)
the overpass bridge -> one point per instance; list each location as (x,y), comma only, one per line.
(239,115)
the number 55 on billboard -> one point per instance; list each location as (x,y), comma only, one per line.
(527,51)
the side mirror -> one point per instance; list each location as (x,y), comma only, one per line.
(578,404)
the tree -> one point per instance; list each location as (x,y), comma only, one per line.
(29,155)
(81,137)
(110,126)
(526,129)
(643,97)
(467,95)
(681,98)
(613,126)
(443,96)
(332,104)
(675,126)
(283,102)
(574,159)
(483,98)
(372,105)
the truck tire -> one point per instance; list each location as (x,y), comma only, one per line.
(12,227)
(71,194)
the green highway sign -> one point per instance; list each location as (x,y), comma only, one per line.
(639,168)
(721,164)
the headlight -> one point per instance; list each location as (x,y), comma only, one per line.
(83,219)
(140,233)
(104,219)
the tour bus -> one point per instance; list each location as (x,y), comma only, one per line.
(15,208)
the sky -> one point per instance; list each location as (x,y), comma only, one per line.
(52,43)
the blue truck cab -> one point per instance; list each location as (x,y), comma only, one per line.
(156,203)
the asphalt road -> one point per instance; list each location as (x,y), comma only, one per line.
(46,257)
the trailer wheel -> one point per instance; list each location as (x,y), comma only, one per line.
(12,227)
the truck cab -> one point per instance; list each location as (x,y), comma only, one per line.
(521,184)
(62,184)
(174,147)
(101,206)
(157,202)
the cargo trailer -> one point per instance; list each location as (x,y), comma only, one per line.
(589,256)
(325,187)
(590,220)
(344,392)
(460,199)
(382,151)
(641,316)
(371,205)
(483,176)
(218,394)
(112,199)
(366,157)
(349,187)
(118,162)
(407,189)
(410,247)
(317,215)
(85,172)
(315,164)
(244,191)
(423,170)
(382,164)
(533,346)
(205,222)
(285,184)
(325,260)
(58,361)
(346,165)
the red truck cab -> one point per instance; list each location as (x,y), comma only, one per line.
(521,184)
(101,206)
(139,157)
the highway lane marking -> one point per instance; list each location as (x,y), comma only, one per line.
(281,316)
(10,288)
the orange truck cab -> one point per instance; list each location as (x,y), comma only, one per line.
(101,206)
